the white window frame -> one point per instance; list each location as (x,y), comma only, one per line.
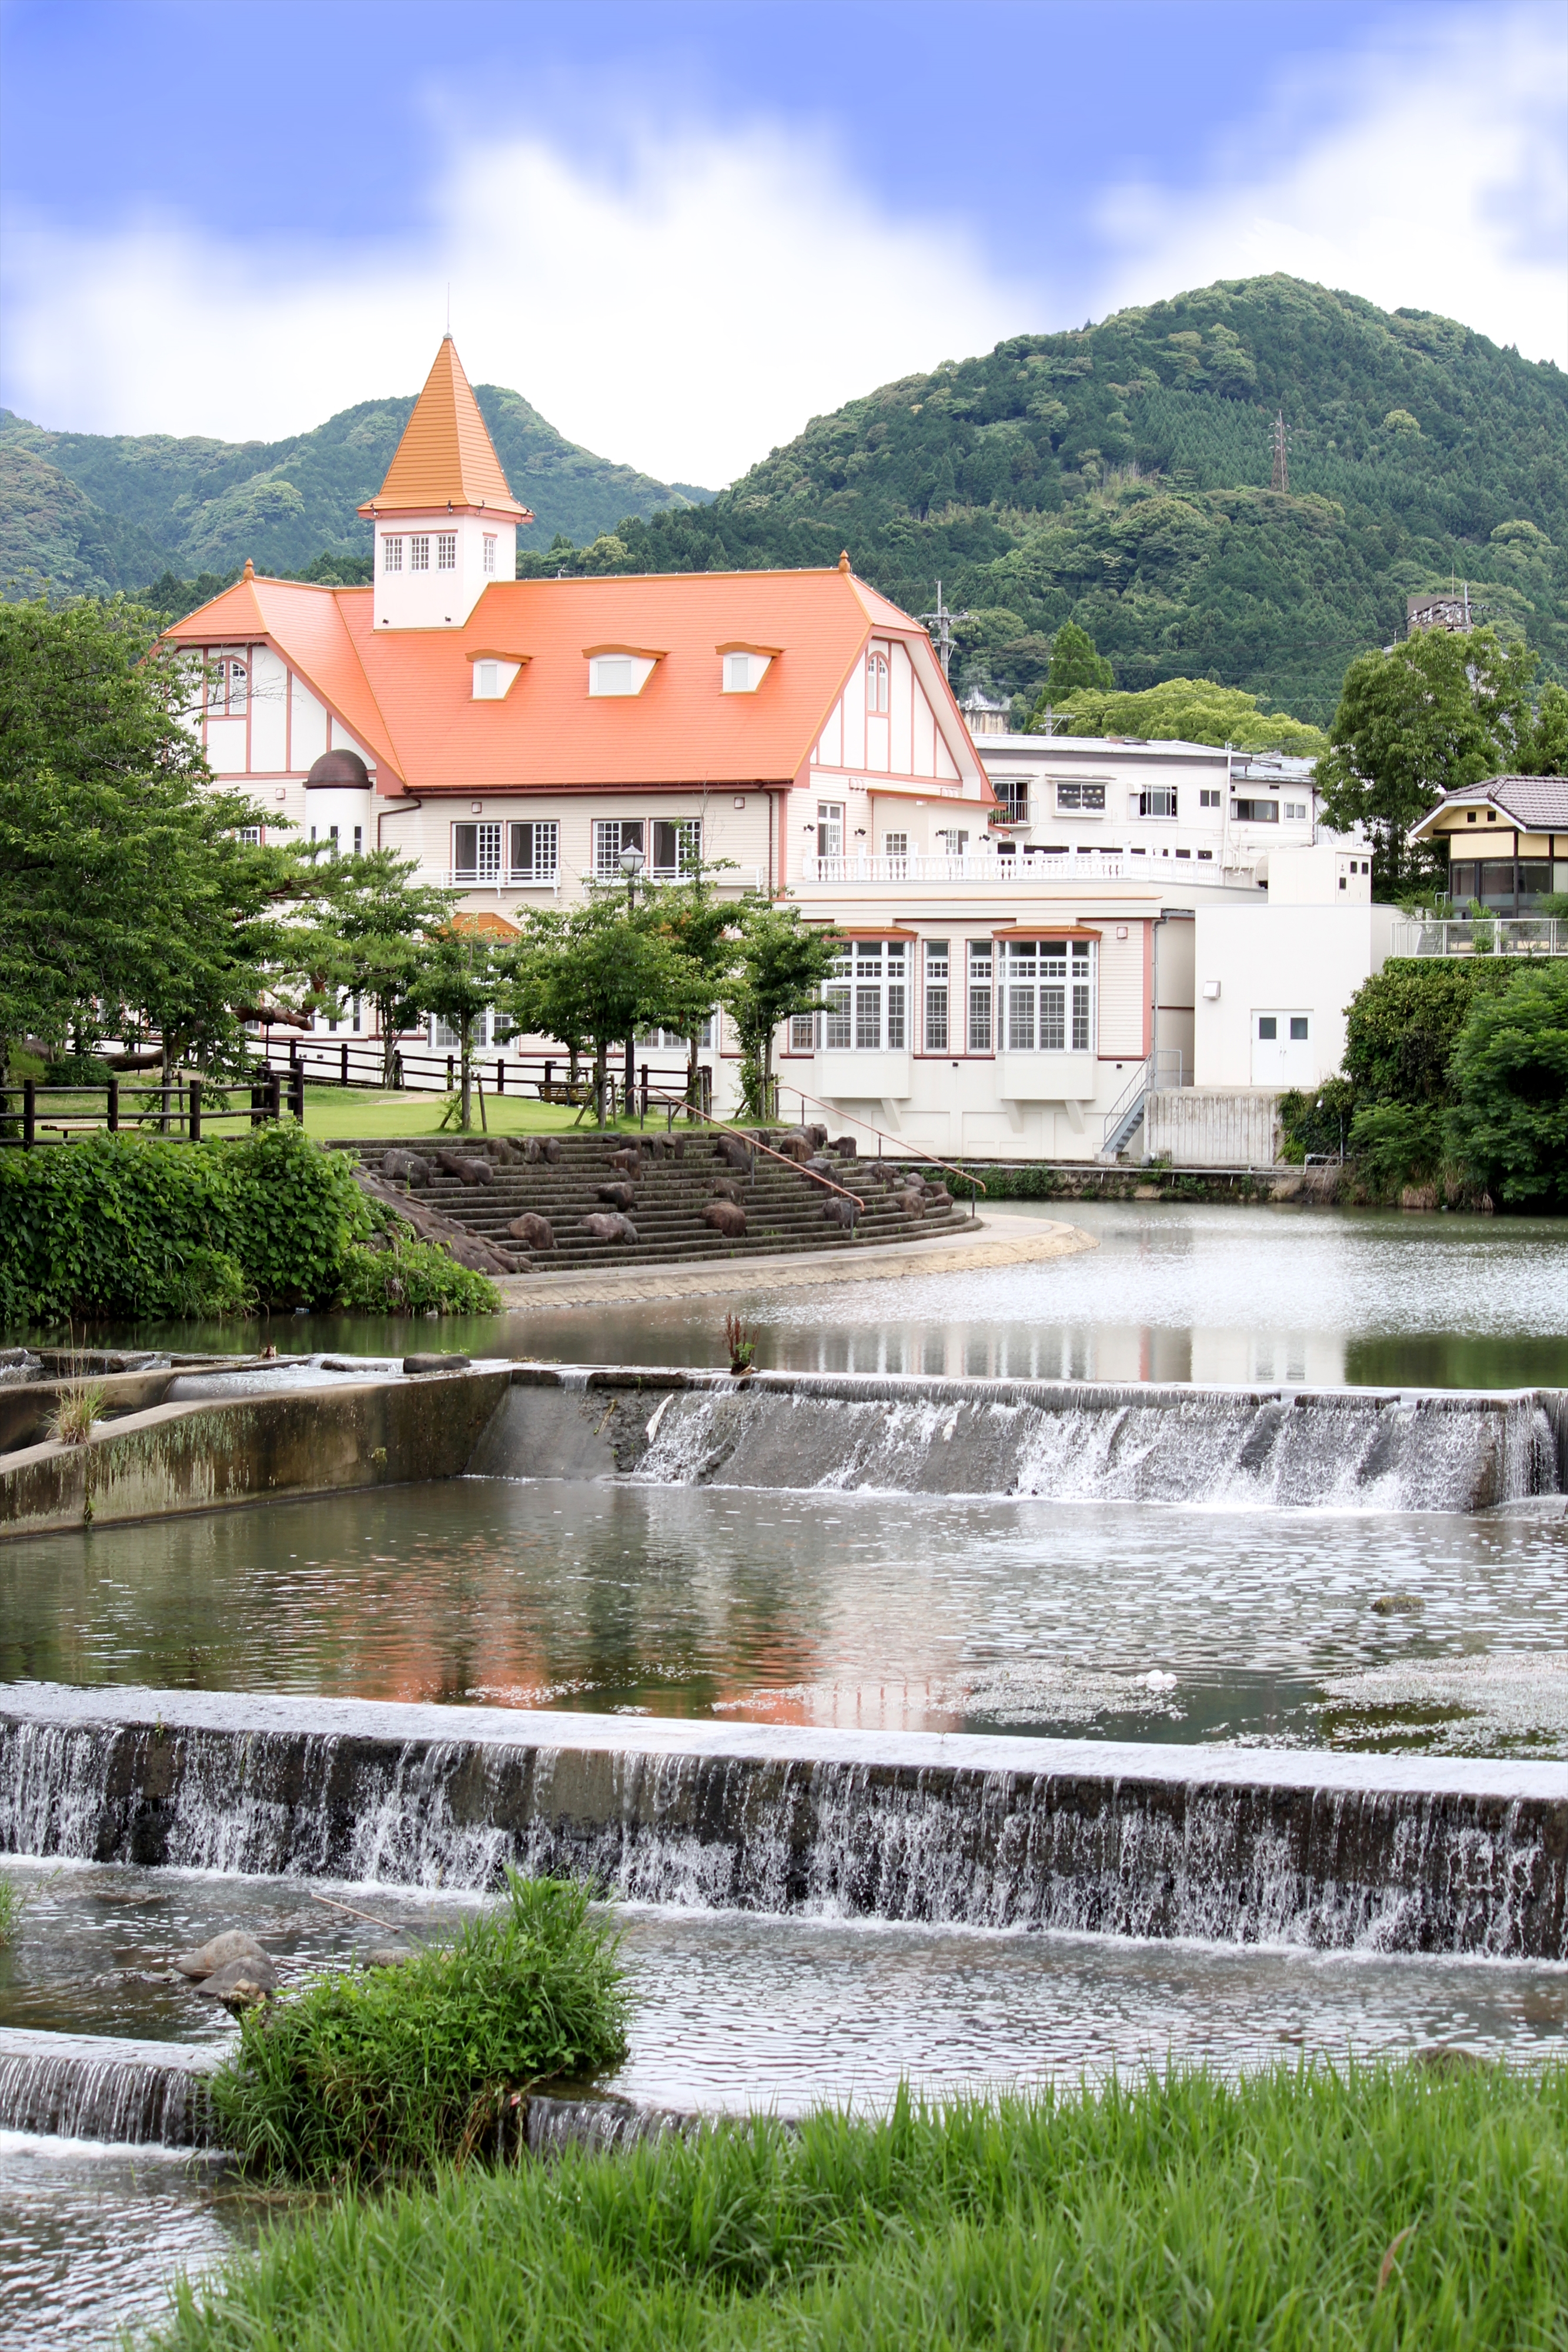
(878,682)
(490,554)
(830,828)
(1047,992)
(868,999)
(446,551)
(392,555)
(228,685)
(486,681)
(489,834)
(1087,800)
(678,847)
(1209,796)
(543,863)
(937,995)
(1012,798)
(981,1025)
(1150,800)
(611,834)
(418,550)
(802,1032)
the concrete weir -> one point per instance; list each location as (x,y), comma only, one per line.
(1434,1450)
(1334,1852)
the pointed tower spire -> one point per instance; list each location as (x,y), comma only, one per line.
(445,520)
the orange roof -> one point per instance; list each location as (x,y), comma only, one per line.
(408,693)
(447,457)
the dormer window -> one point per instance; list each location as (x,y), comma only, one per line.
(486,681)
(745,667)
(391,555)
(419,552)
(446,551)
(490,554)
(876,680)
(619,671)
(495,674)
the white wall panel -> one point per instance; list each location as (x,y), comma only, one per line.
(268,711)
(830,750)
(226,746)
(903,691)
(343,741)
(309,728)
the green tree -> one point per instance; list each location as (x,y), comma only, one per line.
(458,976)
(1403,1024)
(373,924)
(1437,712)
(702,933)
(1509,1127)
(1075,664)
(1544,749)
(125,878)
(1185,711)
(597,975)
(781,966)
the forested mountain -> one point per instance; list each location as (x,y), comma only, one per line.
(1119,477)
(94,511)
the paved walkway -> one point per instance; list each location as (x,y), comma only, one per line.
(993,1240)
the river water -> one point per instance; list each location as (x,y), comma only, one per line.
(1357,1629)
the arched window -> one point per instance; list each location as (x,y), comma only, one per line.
(228,687)
(876,680)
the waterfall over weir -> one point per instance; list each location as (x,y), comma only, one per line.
(1231,1846)
(85,2086)
(1064,1441)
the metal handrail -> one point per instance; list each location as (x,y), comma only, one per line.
(926,1159)
(679,1102)
(1144,1080)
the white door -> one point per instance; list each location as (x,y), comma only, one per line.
(1283,1053)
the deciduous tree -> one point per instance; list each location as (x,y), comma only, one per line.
(781,966)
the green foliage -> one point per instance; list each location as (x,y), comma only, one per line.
(372,928)
(125,1226)
(411,1278)
(11,1902)
(599,973)
(1316,1126)
(783,964)
(1119,478)
(123,881)
(457,975)
(1426,717)
(1395,1144)
(1075,666)
(1509,1072)
(1403,1024)
(397,2069)
(1304,2210)
(1183,709)
(97,512)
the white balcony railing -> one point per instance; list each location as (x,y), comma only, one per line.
(740,877)
(1480,935)
(984,866)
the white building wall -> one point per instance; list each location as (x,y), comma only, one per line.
(308,728)
(1310,958)
(268,712)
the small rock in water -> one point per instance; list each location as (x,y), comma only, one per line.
(436,1363)
(1398,1604)
(1159,1681)
(242,1983)
(386,1956)
(234,1943)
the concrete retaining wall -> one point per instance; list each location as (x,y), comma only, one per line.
(1195,1129)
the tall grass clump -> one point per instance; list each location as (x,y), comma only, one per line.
(11,1902)
(1300,2211)
(394,2070)
(78,1407)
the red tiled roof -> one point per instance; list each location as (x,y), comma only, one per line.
(407,694)
(447,457)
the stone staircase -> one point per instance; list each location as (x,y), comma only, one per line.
(784,1209)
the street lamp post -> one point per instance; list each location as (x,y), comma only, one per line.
(632,863)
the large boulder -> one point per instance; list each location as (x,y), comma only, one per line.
(503,1154)
(817,1135)
(839,1212)
(234,1943)
(725,1188)
(405,1167)
(667,1147)
(726,1217)
(432,1363)
(629,1160)
(794,1146)
(618,1196)
(845,1145)
(468,1167)
(542,1147)
(536,1232)
(603,1226)
(913,1203)
(734,1153)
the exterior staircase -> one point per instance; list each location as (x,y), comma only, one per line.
(784,1208)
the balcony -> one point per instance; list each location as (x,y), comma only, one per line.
(981,865)
(1482,935)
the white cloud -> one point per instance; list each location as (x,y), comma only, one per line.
(681,320)
(1443,185)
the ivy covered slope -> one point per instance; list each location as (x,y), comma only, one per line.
(1119,477)
(93,512)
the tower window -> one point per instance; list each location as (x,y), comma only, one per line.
(446,551)
(876,680)
(391,555)
(419,552)
(489,551)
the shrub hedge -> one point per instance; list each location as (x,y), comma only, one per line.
(124,1227)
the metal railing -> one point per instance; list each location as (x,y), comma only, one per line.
(1165,1065)
(1480,935)
(901,1143)
(997,873)
(678,1103)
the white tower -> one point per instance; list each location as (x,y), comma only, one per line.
(445,520)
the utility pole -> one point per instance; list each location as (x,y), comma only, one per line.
(940,624)
(1282,480)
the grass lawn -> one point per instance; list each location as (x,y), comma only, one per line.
(1300,2211)
(332,1112)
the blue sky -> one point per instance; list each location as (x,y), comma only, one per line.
(682,229)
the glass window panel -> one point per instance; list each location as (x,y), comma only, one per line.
(464,852)
(897,1036)
(1020,1020)
(839,1029)
(1297,1026)
(868,1020)
(1268,1027)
